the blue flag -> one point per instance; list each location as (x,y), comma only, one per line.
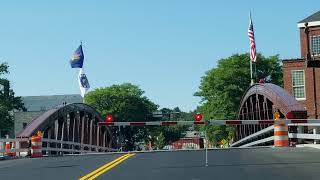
(77,58)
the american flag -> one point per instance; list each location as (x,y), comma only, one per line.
(253,56)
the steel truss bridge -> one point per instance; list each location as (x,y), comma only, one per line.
(71,126)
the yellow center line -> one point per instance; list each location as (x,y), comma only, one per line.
(105,167)
(102,167)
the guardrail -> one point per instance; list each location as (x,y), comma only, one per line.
(255,139)
(254,136)
(21,147)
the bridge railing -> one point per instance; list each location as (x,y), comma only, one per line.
(266,136)
(256,138)
(58,146)
(21,147)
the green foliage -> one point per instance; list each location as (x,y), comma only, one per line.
(222,88)
(8,101)
(126,103)
(172,133)
(159,141)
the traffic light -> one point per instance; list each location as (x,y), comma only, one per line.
(109,118)
(198,117)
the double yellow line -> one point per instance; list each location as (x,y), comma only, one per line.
(105,167)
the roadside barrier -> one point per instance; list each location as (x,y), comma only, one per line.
(36,146)
(22,147)
(8,147)
(281,138)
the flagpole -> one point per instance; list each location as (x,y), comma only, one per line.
(252,81)
(84,94)
(79,71)
(255,72)
(252,60)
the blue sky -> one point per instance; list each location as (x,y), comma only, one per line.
(164,46)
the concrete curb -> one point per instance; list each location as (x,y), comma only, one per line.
(316,146)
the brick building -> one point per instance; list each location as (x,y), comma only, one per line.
(298,78)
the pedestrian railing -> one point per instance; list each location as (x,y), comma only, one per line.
(51,145)
(266,136)
(21,147)
(256,138)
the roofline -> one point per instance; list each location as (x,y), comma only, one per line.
(310,24)
(294,60)
(52,95)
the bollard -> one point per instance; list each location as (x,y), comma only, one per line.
(36,146)
(281,138)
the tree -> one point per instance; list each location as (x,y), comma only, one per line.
(222,88)
(8,101)
(159,141)
(172,133)
(126,103)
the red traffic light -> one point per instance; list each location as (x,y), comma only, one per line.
(109,118)
(198,117)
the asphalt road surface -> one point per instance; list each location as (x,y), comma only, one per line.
(253,163)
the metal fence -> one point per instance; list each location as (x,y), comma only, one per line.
(20,147)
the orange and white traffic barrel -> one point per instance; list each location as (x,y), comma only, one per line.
(281,138)
(13,147)
(8,147)
(36,146)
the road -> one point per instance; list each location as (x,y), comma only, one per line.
(253,163)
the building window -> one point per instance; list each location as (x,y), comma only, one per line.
(298,84)
(315,45)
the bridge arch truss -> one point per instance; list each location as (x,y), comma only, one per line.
(75,122)
(260,101)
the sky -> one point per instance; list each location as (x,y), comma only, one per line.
(164,47)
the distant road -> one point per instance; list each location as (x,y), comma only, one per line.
(255,164)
